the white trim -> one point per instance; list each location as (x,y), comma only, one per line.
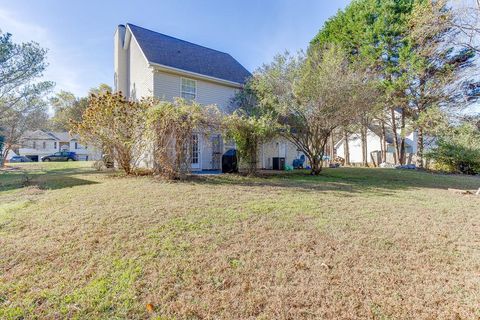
(162,67)
(130,33)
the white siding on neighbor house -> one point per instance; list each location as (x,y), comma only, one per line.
(140,80)
(355,147)
(82,152)
(373,144)
(168,86)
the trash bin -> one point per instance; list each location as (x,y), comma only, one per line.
(278,163)
(230,161)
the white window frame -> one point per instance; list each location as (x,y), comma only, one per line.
(188,93)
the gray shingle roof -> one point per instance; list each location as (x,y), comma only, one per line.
(49,135)
(172,52)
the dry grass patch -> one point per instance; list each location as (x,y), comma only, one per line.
(353,243)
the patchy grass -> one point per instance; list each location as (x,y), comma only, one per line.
(352,243)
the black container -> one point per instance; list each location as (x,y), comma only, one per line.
(278,163)
(230,161)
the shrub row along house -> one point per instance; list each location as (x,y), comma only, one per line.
(149,63)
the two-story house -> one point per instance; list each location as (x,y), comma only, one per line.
(39,143)
(148,63)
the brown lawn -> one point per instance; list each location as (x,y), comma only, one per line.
(352,243)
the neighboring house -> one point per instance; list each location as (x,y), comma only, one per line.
(374,147)
(10,155)
(148,63)
(39,143)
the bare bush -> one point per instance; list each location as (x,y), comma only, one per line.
(116,126)
(171,127)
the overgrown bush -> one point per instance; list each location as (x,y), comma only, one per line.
(458,151)
(171,127)
(249,132)
(116,126)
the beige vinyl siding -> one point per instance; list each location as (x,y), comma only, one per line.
(168,86)
(212,93)
(141,75)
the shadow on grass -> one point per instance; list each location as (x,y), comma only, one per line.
(45,178)
(350,180)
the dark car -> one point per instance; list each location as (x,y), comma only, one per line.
(61,156)
(19,159)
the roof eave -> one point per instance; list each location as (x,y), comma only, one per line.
(162,67)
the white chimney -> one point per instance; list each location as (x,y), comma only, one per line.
(120,61)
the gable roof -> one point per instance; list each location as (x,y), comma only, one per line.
(63,136)
(49,135)
(37,135)
(172,52)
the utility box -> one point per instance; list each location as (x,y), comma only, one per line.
(278,163)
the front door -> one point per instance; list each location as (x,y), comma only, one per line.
(195,156)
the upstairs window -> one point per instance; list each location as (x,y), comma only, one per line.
(189,89)
(44,145)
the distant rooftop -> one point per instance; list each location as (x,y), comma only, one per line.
(172,52)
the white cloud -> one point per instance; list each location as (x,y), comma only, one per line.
(60,60)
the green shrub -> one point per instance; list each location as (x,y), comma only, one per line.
(458,151)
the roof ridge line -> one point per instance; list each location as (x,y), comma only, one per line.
(166,35)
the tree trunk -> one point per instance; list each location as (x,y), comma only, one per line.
(383,145)
(363,132)
(4,154)
(346,149)
(332,147)
(316,167)
(396,152)
(420,149)
(252,169)
(402,144)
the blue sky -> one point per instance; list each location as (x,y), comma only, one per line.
(79,34)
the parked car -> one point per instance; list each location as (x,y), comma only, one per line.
(61,156)
(19,159)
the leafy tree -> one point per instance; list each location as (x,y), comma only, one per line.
(249,132)
(374,33)
(313,95)
(101,89)
(116,126)
(249,126)
(466,23)
(22,104)
(68,107)
(433,69)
